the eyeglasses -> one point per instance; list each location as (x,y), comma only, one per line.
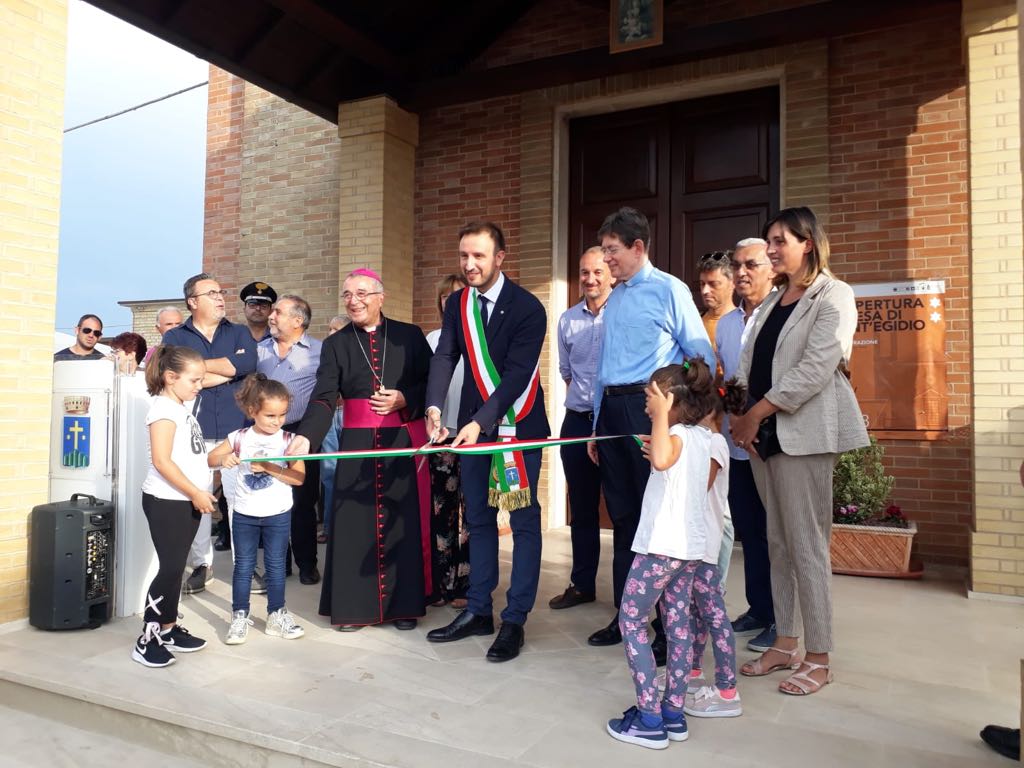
(97,332)
(257,303)
(211,294)
(347,296)
(750,266)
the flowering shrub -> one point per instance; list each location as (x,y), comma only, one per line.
(860,489)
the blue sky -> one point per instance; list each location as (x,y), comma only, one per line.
(131,224)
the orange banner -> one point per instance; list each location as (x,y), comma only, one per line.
(898,367)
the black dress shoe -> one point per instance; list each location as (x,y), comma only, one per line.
(405,624)
(571,597)
(610,635)
(466,624)
(1005,741)
(311,576)
(222,544)
(508,642)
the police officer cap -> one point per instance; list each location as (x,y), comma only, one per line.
(258,291)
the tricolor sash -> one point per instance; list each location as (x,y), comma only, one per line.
(508,486)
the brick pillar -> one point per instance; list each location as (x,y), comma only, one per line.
(997,275)
(378,165)
(32,58)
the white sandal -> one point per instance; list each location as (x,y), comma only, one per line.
(757,668)
(803,681)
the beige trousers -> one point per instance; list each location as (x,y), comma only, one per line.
(797,495)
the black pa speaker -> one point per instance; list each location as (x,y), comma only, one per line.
(71,563)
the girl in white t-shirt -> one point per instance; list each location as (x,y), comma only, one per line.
(670,543)
(174,496)
(707,610)
(263,503)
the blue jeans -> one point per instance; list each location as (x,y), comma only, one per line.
(330,445)
(245,539)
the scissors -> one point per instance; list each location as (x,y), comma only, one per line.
(430,442)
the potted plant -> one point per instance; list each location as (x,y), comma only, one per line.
(870,536)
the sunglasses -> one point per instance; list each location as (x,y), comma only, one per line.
(97,332)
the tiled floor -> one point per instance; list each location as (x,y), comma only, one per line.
(919,669)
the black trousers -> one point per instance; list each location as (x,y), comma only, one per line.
(624,473)
(172,525)
(584,480)
(751,523)
(304,500)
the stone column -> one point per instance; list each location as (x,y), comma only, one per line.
(378,169)
(33,42)
(991,38)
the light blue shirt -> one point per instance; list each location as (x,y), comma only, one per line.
(297,370)
(650,321)
(730,336)
(580,332)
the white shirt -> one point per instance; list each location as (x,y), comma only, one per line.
(718,499)
(258,494)
(450,413)
(676,500)
(492,294)
(188,449)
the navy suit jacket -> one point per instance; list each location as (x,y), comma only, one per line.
(515,334)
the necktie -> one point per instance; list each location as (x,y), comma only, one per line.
(484,314)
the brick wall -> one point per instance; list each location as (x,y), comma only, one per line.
(272,197)
(144,316)
(32,59)
(898,172)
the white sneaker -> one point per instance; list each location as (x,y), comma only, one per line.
(708,702)
(239,629)
(693,687)
(281,624)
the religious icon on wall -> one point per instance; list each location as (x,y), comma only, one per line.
(635,24)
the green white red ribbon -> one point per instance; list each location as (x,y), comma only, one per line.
(476,449)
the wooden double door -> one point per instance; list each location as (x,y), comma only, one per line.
(705,172)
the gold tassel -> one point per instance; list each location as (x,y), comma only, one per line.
(511,501)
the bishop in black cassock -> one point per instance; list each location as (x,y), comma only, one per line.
(375,568)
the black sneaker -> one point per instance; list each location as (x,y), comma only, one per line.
(259,586)
(149,649)
(197,581)
(745,624)
(177,638)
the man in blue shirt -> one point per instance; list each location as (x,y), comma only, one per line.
(290,355)
(650,321)
(580,330)
(230,354)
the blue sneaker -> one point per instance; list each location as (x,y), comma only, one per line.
(764,641)
(631,729)
(675,725)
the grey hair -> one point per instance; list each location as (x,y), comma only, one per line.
(377,284)
(168,309)
(340,320)
(300,308)
(746,242)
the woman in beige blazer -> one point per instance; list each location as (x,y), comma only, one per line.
(802,413)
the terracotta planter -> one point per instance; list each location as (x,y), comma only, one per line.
(867,550)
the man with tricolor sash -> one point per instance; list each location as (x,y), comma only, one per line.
(498,329)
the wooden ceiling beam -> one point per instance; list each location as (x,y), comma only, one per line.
(682,44)
(335,30)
